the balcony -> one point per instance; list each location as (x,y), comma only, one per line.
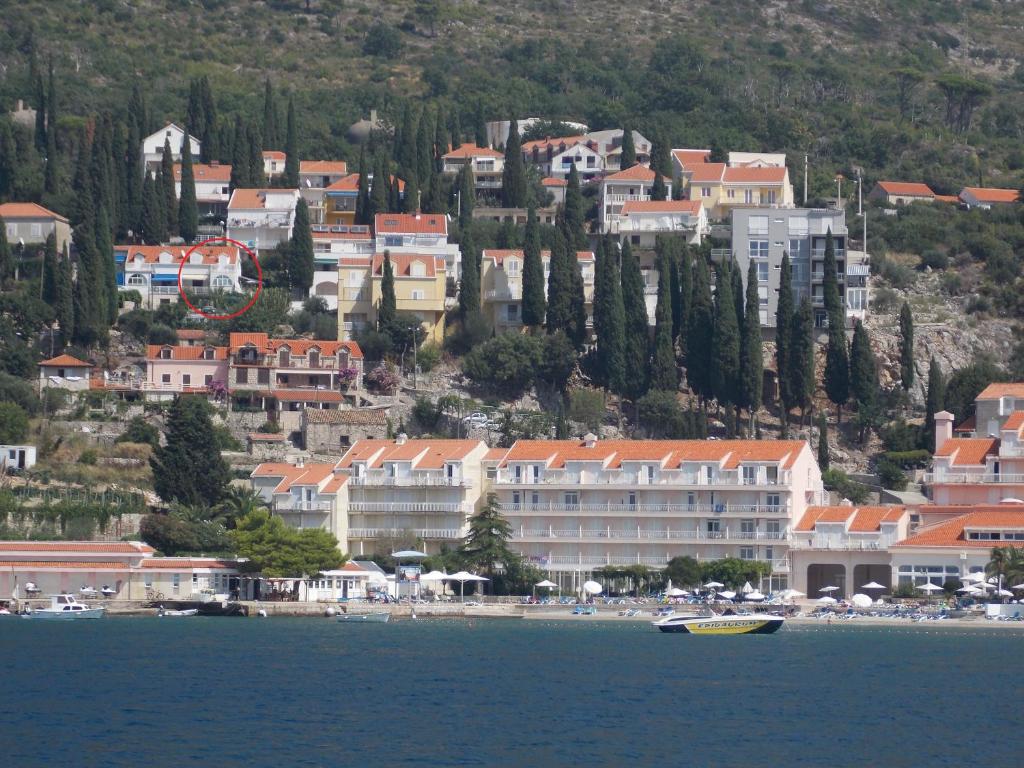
(591,562)
(417,480)
(661,479)
(394,533)
(387,508)
(844,543)
(693,536)
(655,510)
(511,293)
(949,478)
(302,506)
(619,199)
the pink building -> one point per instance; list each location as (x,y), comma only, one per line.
(185,369)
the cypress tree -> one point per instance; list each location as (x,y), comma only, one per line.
(628,156)
(132,214)
(300,251)
(513,177)
(8,160)
(6,259)
(737,293)
(153,228)
(412,195)
(573,213)
(700,332)
(664,372)
(64,301)
(101,168)
(658,189)
(466,195)
(405,141)
(906,347)
(396,194)
(830,287)
(837,370)
(51,265)
(823,457)
(425,150)
(169,200)
(559,310)
(801,356)
(87,295)
(637,338)
(480,126)
(863,369)
(609,318)
(725,359)
(469,286)
(783,333)
(40,133)
(440,140)
(388,307)
(363,195)
(51,109)
(455,130)
(270,138)
(935,401)
(189,468)
(685,297)
(752,351)
(577,301)
(195,120)
(122,208)
(434,202)
(378,190)
(291,148)
(188,209)
(106,276)
(257,177)
(240,174)
(534,303)
(661,159)
(51,174)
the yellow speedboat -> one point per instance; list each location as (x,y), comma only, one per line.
(726,624)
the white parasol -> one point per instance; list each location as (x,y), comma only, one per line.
(546,583)
(728,594)
(829,589)
(861,601)
(462,577)
(746,589)
(714,585)
(755,595)
(592,588)
(929,587)
(873,585)
(676,592)
(826,600)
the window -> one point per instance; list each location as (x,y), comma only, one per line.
(713,528)
(748,196)
(165,378)
(512,313)
(705,191)
(771,527)
(634,239)
(749,475)
(393,241)
(757,225)
(572,499)
(208,353)
(176,583)
(772,501)
(769,554)
(418,295)
(762,271)
(417,269)
(284,358)
(857,298)
(747,527)
(762,295)
(222,281)
(512,267)
(757,249)
(731,193)
(186,379)
(771,197)
(799,248)
(772,475)
(241,376)
(208,379)
(590,161)
(314,358)
(165,353)
(136,279)
(263,376)
(798,226)
(746,553)
(632,500)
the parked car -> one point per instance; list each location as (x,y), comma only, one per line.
(476,419)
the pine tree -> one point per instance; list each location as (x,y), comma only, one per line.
(823,457)
(189,468)
(699,333)
(725,358)
(300,251)
(637,338)
(188,209)
(466,195)
(469,286)
(169,200)
(534,304)
(240,174)
(935,401)
(801,356)
(783,333)
(6,259)
(291,148)
(628,156)
(513,177)
(906,347)
(609,318)
(685,297)
(388,307)
(270,138)
(257,177)
(863,369)
(752,350)
(573,213)
(559,310)
(664,371)
(154,231)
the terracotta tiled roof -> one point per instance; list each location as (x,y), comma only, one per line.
(65,361)
(687,157)
(991,195)
(308,395)
(472,150)
(662,206)
(968,451)
(79,547)
(551,181)
(290,475)
(267,345)
(996,391)
(64,565)
(27,211)
(348,183)
(411,223)
(557,144)
(428,454)
(204,172)
(189,563)
(706,172)
(860,519)
(633,173)
(274,154)
(495,454)
(151,253)
(348,234)
(401,264)
(950,533)
(1015,421)
(906,188)
(190,334)
(323,167)
(254,199)
(370,417)
(966,426)
(185,352)
(948,199)
(668,453)
(266,437)
(498,255)
(767,175)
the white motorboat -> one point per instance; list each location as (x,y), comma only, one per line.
(728,623)
(365,618)
(65,607)
(176,614)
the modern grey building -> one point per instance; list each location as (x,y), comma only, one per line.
(763,235)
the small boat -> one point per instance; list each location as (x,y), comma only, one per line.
(365,618)
(727,624)
(174,613)
(65,607)
(584,610)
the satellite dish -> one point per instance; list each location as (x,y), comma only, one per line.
(592,588)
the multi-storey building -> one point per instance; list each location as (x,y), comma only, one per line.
(501,283)
(31,224)
(330,245)
(261,218)
(608,144)
(340,197)
(557,156)
(305,495)
(153,271)
(315,176)
(213,187)
(182,369)
(420,290)
(422,233)
(764,236)
(748,179)
(487,165)
(641,222)
(631,185)
(577,506)
(152,149)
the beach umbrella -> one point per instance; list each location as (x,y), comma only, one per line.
(746,589)
(971,590)
(976,576)
(829,589)
(872,585)
(790,594)
(546,583)
(1004,593)
(728,595)
(676,592)
(434,576)
(1017,586)
(409,554)
(592,588)
(929,587)
(753,595)
(462,577)
(826,600)
(861,601)
(714,585)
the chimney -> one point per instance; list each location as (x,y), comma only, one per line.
(402,439)
(20,107)
(943,428)
(373,115)
(299,464)
(590,440)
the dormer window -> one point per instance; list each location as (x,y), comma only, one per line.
(284,357)
(512,267)
(208,353)
(165,353)
(314,358)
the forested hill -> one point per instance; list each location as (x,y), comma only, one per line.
(928,90)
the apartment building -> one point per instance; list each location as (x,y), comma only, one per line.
(748,179)
(31,224)
(182,369)
(305,495)
(427,489)
(577,506)
(340,198)
(501,283)
(641,222)
(152,149)
(556,156)
(763,237)
(330,245)
(213,187)
(420,290)
(487,165)
(631,185)
(153,271)
(421,233)
(262,219)
(315,176)
(608,144)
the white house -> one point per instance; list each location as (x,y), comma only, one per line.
(64,372)
(17,456)
(642,221)
(331,243)
(631,185)
(420,233)
(273,163)
(152,270)
(757,159)
(153,146)
(609,146)
(213,186)
(261,218)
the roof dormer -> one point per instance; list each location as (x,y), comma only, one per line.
(164,257)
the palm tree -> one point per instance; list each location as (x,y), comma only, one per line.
(237,502)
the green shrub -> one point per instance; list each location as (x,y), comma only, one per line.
(838,481)
(587,407)
(13,424)
(428,356)
(934,259)
(891,475)
(139,431)
(88,457)
(915,459)
(507,363)
(269,428)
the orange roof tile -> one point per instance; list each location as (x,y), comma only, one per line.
(183,352)
(472,150)
(401,264)
(770,174)
(669,453)
(27,211)
(274,154)
(350,183)
(1005,389)
(557,144)
(253,199)
(906,188)
(706,172)
(662,206)
(498,255)
(323,167)
(1015,421)
(192,334)
(266,437)
(991,195)
(948,199)
(495,454)
(687,157)
(633,173)
(417,223)
(267,345)
(950,533)
(190,563)
(551,181)
(65,565)
(966,426)
(968,451)
(79,547)
(65,361)
(206,172)
(290,475)
(427,454)
(308,395)
(150,254)
(859,519)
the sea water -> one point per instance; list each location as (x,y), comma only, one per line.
(313,692)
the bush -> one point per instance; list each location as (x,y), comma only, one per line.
(140,431)
(900,436)
(891,475)
(884,300)
(132,450)
(55,398)
(428,356)
(383,41)
(130,295)
(88,457)
(162,334)
(916,459)
(507,363)
(468,335)
(375,345)
(13,424)
(933,259)
(269,428)
(15,390)
(384,379)
(224,440)
(426,413)
(136,323)
(837,480)
(587,407)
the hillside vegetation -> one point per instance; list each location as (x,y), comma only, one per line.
(923,89)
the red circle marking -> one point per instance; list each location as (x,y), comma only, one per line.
(259,276)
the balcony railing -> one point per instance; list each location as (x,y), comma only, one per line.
(843,543)
(662,478)
(509,294)
(302,506)
(393,533)
(419,479)
(753,510)
(611,198)
(386,508)
(581,561)
(964,478)
(696,536)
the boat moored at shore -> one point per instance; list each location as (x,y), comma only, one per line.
(65,607)
(726,624)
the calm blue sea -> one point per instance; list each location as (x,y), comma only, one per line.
(312,692)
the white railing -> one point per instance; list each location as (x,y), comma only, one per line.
(843,543)
(384,508)
(392,533)
(660,478)
(663,535)
(970,479)
(612,198)
(410,481)
(511,293)
(302,506)
(645,509)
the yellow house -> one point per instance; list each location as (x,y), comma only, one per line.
(420,283)
(501,284)
(720,187)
